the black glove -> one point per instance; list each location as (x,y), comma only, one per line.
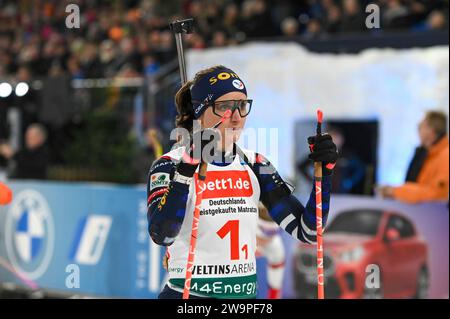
(323,150)
(195,152)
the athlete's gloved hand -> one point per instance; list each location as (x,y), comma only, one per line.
(323,150)
(203,146)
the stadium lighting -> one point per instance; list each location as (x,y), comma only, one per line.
(21,89)
(5,89)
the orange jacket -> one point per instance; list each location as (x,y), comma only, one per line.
(5,194)
(432,182)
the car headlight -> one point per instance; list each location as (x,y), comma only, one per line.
(352,255)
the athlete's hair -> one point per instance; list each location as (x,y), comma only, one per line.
(438,121)
(185,117)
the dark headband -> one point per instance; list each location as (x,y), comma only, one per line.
(213,85)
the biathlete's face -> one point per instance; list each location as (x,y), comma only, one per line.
(231,128)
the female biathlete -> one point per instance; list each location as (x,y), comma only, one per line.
(237,179)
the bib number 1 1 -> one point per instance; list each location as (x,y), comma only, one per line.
(232,227)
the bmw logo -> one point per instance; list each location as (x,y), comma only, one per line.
(29,234)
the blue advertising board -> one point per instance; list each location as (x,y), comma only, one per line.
(80,238)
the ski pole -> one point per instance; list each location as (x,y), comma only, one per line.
(318,188)
(199,189)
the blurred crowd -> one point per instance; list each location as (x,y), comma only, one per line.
(131,37)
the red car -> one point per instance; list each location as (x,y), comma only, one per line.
(353,241)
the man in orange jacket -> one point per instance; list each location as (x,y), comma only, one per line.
(428,174)
(5,194)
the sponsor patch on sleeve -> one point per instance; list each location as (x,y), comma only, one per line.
(159,180)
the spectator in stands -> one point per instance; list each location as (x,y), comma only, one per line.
(256,19)
(195,41)
(395,14)
(128,54)
(89,61)
(436,21)
(31,161)
(108,56)
(219,39)
(313,30)
(231,22)
(151,64)
(74,69)
(166,50)
(352,19)
(289,27)
(427,178)
(333,19)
